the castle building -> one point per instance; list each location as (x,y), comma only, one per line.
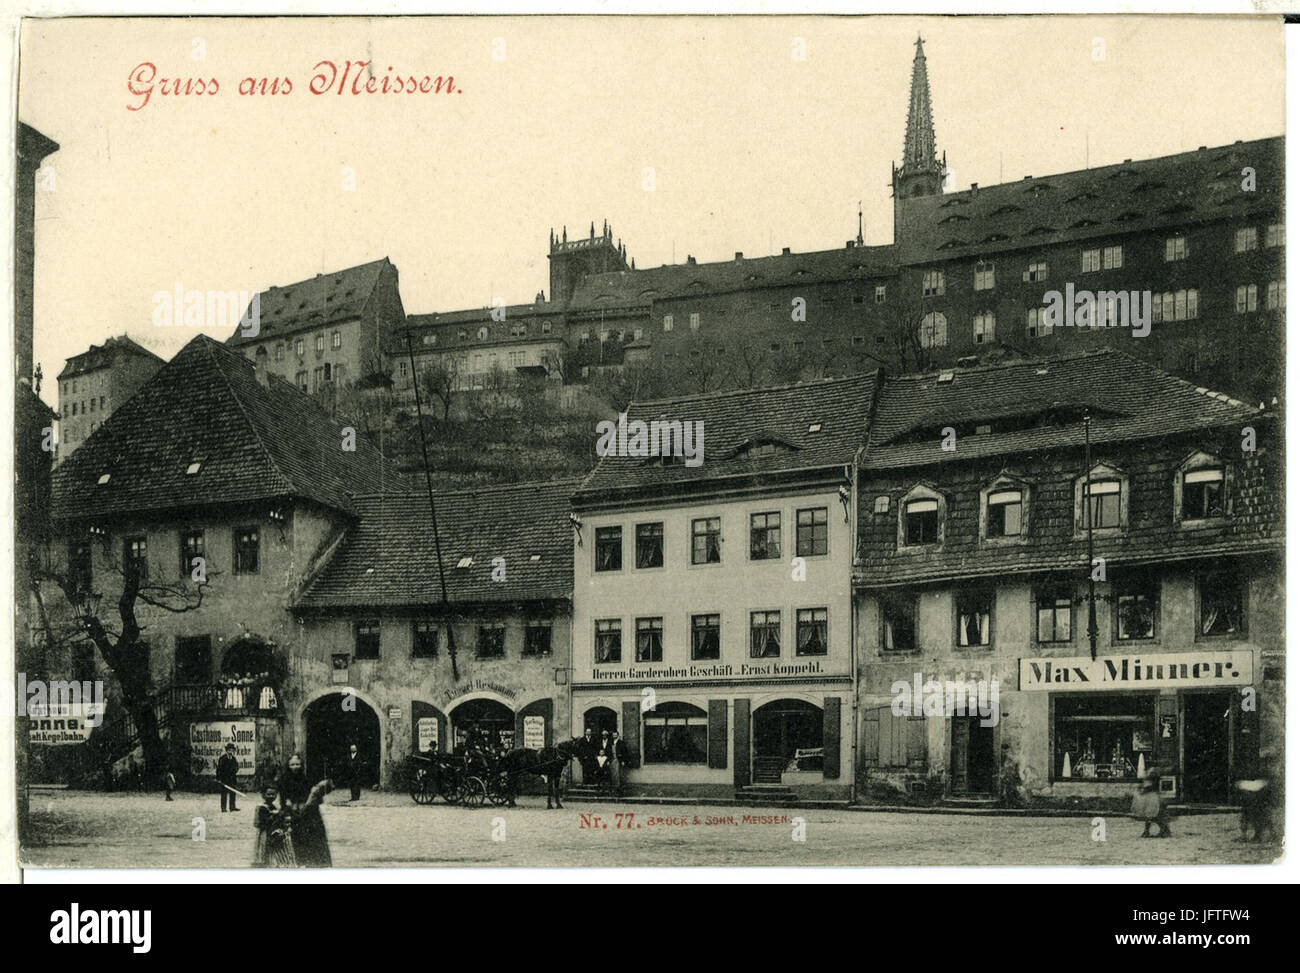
(94,383)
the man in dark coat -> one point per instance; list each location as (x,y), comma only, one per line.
(227,774)
(354,772)
(587,756)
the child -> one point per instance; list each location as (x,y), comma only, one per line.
(1148,807)
(274,846)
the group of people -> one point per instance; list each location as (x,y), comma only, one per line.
(602,759)
(294,833)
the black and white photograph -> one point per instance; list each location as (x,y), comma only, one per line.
(642,442)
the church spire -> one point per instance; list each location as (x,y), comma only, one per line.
(919,153)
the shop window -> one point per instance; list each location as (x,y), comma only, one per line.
(537,638)
(1103,736)
(1055,615)
(974,617)
(706,540)
(609,640)
(424,640)
(246,550)
(764,536)
(191,550)
(609,548)
(1202,491)
(1137,609)
(366,639)
(676,733)
(810,631)
(898,622)
(810,532)
(650,545)
(491,641)
(1221,603)
(650,640)
(764,635)
(706,641)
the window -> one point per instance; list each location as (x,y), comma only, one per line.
(764,536)
(1247,298)
(1055,615)
(537,638)
(301,381)
(1246,239)
(984,278)
(921,522)
(1136,609)
(706,641)
(810,631)
(985,327)
(1276,295)
(1175,306)
(279,351)
(1202,493)
(546,327)
(1100,736)
(366,639)
(897,622)
(298,347)
(1091,261)
(706,540)
(424,640)
(974,617)
(246,542)
(810,532)
(609,548)
(135,559)
(1175,248)
(609,640)
(859,299)
(1112,258)
(676,733)
(320,342)
(1005,513)
(1105,504)
(518,329)
(668,322)
(1221,600)
(764,635)
(932,283)
(491,642)
(695,322)
(934,330)
(80,565)
(191,550)
(650,545)
(92,405)
(649,640)
(880,505)
(1036,272)
(482,333)
(880,293)
(1275,235)
(1036,323)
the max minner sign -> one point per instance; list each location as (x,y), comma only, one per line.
(1169,669)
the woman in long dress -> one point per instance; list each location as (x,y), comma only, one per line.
(302,800)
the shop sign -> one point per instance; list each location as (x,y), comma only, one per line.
(1171,670)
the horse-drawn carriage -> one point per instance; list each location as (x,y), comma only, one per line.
(479,776)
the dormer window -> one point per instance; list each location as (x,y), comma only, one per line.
(1104,500)
(193,467)
(465,562)
(1200,488)
(1006,513)
(1104,503)
(921,522)
(104,478)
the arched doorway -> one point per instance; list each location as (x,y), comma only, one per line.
(252,657)
(333,723)
(787,737)
(598,719)
(483,719)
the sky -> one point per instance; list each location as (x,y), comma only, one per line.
(556,121)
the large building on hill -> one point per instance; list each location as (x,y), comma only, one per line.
(978,488)
(94,383)
(966,273)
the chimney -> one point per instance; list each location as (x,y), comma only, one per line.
(849,244)
(739,255)
(974,188)
(690,260)
(785,251)
(259,370)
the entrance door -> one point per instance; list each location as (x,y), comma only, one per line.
(1207,753)
(974,760)
(332,728)
(787,736)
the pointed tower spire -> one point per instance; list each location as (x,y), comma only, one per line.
(918,145)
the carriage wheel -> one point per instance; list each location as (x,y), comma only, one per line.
(449,788)
(500,789)
(473,792)
(419,790)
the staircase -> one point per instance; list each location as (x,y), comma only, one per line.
(765,794)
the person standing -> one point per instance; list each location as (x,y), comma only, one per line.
(587,756)
(227,775)
(354,772)
(169,782)
(617,755)
(1149,808)
(310,843)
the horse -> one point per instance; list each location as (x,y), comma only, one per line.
(547,763)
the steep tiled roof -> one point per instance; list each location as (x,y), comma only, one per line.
(810,426)
(388,560)
(253,441)
(1174,190)
(1043,400)
(101,356)
(639,287)
(323,299)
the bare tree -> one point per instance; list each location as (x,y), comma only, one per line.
(438,383)
(911,346)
